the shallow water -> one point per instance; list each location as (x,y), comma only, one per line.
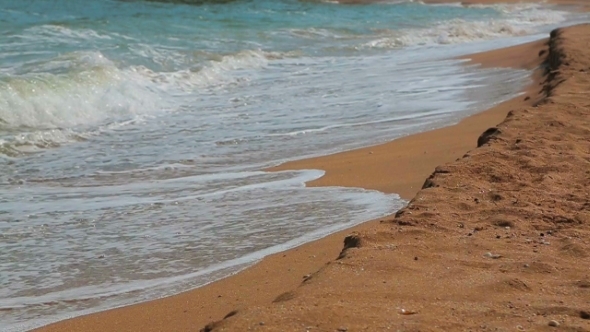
(132,133)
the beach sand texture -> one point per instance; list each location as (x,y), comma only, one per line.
(496,240)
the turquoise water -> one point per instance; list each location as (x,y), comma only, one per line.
(133,133)
(167,37)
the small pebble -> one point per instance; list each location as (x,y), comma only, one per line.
(492,256)
(407,312)
(554,323)
(342,329)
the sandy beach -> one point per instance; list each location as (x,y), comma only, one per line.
(496,239)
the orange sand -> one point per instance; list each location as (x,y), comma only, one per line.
(430,261)
(498,240)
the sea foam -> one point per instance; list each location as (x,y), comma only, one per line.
(517,20)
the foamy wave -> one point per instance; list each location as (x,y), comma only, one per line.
(453,32)
(86,88)
(94,89)
(59,33)
(37,141)
(317,33)
(527,13)
(518,20)
(220,70)
(89,96)
(64,99)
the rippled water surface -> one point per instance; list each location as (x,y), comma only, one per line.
(133,133)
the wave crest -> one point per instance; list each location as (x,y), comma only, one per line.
(517,20)
(68,97)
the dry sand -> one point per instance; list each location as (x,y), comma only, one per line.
(499,239)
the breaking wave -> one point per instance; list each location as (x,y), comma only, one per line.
(80,94)
(516,20)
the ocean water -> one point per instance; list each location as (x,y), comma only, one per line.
(133,134)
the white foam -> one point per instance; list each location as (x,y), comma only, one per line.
(218,72)
(365,205)
(58,33)
(66,97)
(100,90)
(517,20)
(44,100)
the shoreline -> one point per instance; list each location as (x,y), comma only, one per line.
(374,163)
(494,241)
(253,286)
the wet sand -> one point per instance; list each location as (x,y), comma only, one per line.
(400,166)
(499,239)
